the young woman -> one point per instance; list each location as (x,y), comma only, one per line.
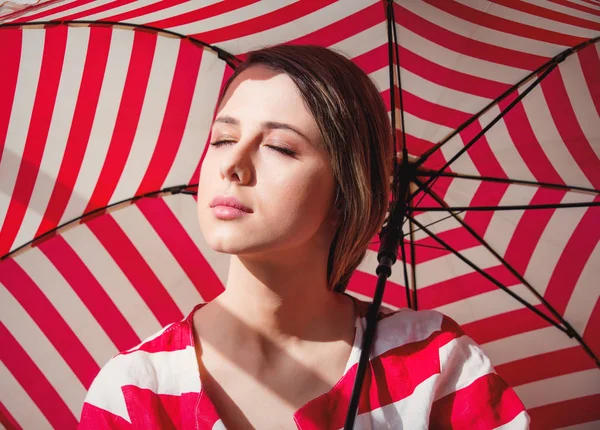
(294,186)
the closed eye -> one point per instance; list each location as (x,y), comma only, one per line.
(222,142)
(282,150)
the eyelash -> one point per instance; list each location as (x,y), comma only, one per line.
(281,150)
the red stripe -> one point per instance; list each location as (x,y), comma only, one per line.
(41,115)
(465,45)
(181,246)
(562,414)
(579,7)
(94,418)
(488,193)
(543,366)
(364,283)
(484,404)
(346,27)
(525,141)
(590,65)
(201,13)
(590,334)
(52,324)
(28,9)
(228,72)
(264,22)
(421,108)
(573,259)
(136,83)
(81,126)
(504,325)
(505,25)
(48,12)
(10,40)
(407,365)
(34,382)
(529,230)
(449,78)
(176,115)
(568,127)
(462,287)
(550,14)
(7,420)
(97,9)
(144,10)
(135,268)
(90,291)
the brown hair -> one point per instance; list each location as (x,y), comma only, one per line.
(357,135)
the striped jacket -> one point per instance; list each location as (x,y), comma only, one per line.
(424,372)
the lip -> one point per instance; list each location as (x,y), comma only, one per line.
(228,207)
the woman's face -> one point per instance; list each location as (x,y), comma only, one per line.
(266,153)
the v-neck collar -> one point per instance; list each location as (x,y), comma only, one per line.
(302,415)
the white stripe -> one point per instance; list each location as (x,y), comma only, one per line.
(369,264)
(424,129)
(37,10)
(411,412)
(299,27)
(113,280)
(591,425)
(22,407)
(427,218)
(32,51)
(172,11)
(586,293)
(483,34)
(431,91)
(503,147)
(532,20)
(104,123)
(233,17)
(548,137)
(461,362)
(586,4)
(559,388)
(567,10)
(449,266)
(364,41)
(219,425)
(553,240)
(161,372)
(158,257)
(487,305)
(199,119)
(120,9)
(185,209)
(581,101)
(521,421)
(528,344)
(60,125)
(41,351)
(151,118)
(404,327)
(457,61)
(504,223)
(78,9)
(68,304)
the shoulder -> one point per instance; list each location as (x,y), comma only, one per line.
(156,365)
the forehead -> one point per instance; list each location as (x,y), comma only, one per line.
(260,94)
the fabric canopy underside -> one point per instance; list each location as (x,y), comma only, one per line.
(95,115)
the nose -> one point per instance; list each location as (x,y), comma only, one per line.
(236,164)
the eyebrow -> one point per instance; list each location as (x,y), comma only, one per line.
(271,125)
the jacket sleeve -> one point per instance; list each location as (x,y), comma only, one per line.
(469,394)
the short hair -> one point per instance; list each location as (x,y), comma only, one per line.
(357,135)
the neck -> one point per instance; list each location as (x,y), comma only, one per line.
(276,304)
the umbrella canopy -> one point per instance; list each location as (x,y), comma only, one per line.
(104,118)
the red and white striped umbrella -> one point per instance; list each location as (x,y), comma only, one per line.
(104,119)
